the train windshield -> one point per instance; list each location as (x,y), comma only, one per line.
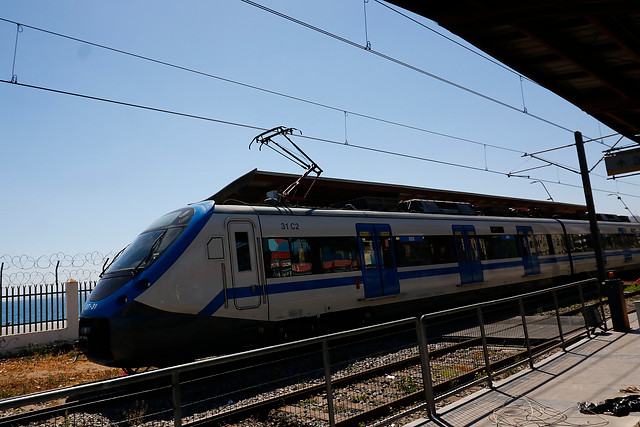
(151,243)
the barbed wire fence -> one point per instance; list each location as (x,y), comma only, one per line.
(20,270)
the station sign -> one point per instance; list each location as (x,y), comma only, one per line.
(623,162)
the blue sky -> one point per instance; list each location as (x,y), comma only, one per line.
(80,175)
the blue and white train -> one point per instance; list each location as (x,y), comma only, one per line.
(211,279)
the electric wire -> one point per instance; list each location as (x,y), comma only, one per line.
(258,88)
(403,64)
(179,67)
(20,26)
(128,104)
(475,52)
(317,139)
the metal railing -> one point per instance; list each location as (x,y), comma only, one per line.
(498,337)
(31,308)
(345,377)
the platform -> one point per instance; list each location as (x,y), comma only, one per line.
(591,370)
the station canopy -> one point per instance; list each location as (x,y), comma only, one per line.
(586,51)
(252,189)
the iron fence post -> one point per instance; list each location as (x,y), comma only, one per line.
(327,380)
(526,332)
(485,348)
(426,369)
(601,305)
(177,401)
(555,301)
(583,310)
(1,299)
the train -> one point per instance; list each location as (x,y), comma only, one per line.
(210,279)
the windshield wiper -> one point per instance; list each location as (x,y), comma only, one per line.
(105,267)
(154,247)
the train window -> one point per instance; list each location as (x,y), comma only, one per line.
(629,240)
(623,241)
(424,250)
(608,241)
(461,247)
(243,254)
(581,242)
(501,247)
(557,242)
(441,249)
(368,251)
(178,218)
(277,257)
(301,257)
(339,254)
(285,257)
(542,243)
(482,246)
(473,249)
(384,240)
(411,251)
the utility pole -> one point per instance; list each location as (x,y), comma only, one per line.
(591,210)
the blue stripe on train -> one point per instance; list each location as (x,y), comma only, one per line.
(308,285)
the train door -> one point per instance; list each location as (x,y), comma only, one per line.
(468,253)
(626,249)
(529,252)
(245,282)
(379,272)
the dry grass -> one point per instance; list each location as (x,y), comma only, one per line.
(46,369)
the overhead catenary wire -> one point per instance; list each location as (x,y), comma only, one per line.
(395,123)
(261,89)
(404,64)
(475,52)
(485,145)
(311,138)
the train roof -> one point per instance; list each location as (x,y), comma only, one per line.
(252,189)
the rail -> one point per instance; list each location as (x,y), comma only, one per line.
(447,352)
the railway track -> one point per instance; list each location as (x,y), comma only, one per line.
(303,400)
(401,374)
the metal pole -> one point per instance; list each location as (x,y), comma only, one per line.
(591,210)
(426,370)
(177,401)
(327,380)
(583,310)
(526,332)
(555,301)
(57,265)
(485,347)
(1,296)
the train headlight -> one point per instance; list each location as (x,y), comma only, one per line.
(122,299)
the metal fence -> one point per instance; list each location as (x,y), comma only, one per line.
(32,308)
(478,344)
(344,378)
